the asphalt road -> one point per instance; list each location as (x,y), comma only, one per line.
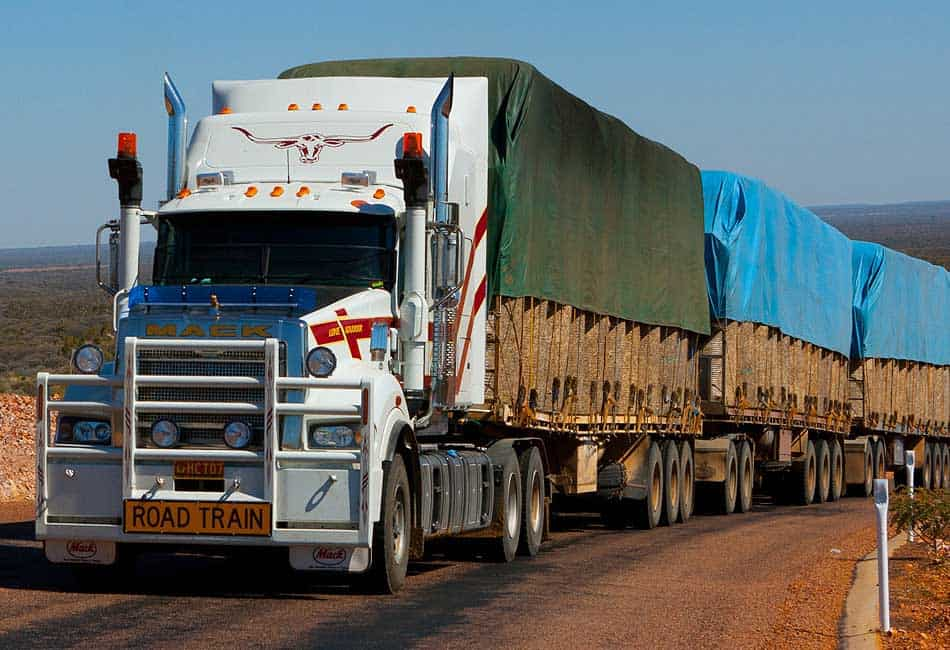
(714,582)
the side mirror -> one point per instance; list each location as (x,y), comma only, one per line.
(110,286)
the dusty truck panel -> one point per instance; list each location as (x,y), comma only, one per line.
(779,294)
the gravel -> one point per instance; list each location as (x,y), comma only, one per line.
(17,448)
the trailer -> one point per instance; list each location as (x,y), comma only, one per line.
(900,385)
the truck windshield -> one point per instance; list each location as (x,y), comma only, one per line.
(322,249)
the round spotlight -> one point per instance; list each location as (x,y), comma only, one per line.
(165,434)
(88,359)
(237,435)
(321,362)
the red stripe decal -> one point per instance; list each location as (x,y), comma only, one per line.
(477,301)
(356,329)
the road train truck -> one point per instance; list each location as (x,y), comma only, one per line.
(325,359)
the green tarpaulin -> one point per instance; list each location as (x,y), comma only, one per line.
(582,210)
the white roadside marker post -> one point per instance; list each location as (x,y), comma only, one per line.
(909,464)
(884,600)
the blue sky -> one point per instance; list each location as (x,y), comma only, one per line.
(830,102)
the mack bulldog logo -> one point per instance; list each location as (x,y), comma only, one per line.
(329,556)
(81,550)
(310,145)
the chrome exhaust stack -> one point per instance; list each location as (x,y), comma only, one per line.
(177,131)
(445,252)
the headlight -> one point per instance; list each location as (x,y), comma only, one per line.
(84,431)
(237,435)
(88,359)
(165,434)
(333,437)
(321,362)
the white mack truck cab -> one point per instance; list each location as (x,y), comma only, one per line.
(317,308)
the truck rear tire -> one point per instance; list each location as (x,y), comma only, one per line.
(508,510)
(880,460)
(938,467)
(726,501)
(865,489)
(822,471)
(803,480)
(391,535)
(671,483)
(687,482)
(746,475)
(532,507)
(925,473)
(648,511)
(946,466)
(837,471)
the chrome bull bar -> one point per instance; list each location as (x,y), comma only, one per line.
(271,409)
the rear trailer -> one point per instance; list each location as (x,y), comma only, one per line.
(900,371)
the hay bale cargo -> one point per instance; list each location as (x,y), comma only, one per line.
(901,342)
(780,294)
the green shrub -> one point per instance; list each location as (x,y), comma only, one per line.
(929,514)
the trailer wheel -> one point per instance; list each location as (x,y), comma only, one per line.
(391,535)
(648,510)
(880,460)
(922,480)
(532,508)
(671,483)
(508,510)
(867,488)
(726,497)
(822,472)
(837,471)
(687,482)
(946,466)
(937,471)
(804,478)
(746,476)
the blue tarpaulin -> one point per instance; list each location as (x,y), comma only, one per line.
(771,261)
(901,306)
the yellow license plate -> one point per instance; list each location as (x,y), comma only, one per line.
(199,469)
(197,518)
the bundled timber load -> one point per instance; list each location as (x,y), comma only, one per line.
(780,295)
(901,343)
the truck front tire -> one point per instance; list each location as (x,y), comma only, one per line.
(391,535)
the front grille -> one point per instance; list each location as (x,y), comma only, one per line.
(203,430)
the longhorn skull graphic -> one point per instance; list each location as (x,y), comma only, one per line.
(309,145)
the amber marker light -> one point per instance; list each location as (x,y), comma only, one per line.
(126,147)
(412,145)
(358,203)
(250,192)
(293,107)
(277,191)
(185,193)
(317,107)
(378,194)
(303,191)
(343,107)
(225,111)
(410,109)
